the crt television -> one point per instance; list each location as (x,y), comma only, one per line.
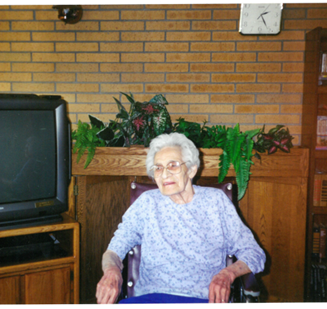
(35,160)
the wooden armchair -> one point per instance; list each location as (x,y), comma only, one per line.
(244,289)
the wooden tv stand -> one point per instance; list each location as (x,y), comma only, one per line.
(48,278)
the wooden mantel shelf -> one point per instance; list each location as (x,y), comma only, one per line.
(131,162)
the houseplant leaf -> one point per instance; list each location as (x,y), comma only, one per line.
(96,122)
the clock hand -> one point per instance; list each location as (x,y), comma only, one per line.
(263,14)
(263,20)
(264,11)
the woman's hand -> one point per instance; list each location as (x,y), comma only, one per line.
(109,287)
(219,288)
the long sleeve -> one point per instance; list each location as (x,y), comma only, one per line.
(240,239)
(130,230)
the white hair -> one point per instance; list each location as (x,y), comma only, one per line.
(190,153)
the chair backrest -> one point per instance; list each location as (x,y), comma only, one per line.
(134,255)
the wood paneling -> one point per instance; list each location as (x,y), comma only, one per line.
(276,213)
(48,287)
(101,202)
(9,290)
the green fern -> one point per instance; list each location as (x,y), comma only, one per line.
(242,177)
(224,165)
(237,149)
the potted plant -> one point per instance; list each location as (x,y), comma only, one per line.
(146,120)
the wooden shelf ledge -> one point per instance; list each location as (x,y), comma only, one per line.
(130,161)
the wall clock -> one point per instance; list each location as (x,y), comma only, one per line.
(260,18)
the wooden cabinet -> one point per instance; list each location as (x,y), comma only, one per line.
(274,207)
(51,277)
(314,105)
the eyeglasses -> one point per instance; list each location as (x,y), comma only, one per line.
(173,167)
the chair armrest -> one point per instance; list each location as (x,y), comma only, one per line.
(250,287)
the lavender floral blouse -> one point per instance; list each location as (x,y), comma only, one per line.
(184,246)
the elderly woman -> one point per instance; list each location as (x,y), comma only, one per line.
(185,231)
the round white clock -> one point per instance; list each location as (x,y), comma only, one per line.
(260,18)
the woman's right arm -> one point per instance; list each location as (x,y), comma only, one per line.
(109,287)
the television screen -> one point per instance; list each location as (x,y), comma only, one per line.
(28,155)
(34,159)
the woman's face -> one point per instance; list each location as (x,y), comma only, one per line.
(170,184)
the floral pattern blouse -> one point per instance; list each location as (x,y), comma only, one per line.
(184,246)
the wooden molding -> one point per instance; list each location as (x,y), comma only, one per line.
(130,161)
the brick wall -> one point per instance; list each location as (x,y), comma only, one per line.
(193,54)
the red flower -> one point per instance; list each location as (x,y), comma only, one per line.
(138,123)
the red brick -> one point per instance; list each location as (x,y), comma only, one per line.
(258,88)
(211,108)
(258,67)
(121,47)
(233,78)
(166,47)
(292,88)
(165,67)
(258,46)
(257,109)
(122,87)
(142,15)
(191,14)
(231,36)
(214,25)
(279,98)
(223,46)
(233,57)
(121,25)
(97,57)
(290,46)
(140,77)
(187,98)
(212,67)
(188,36)
(15,77)
(188,77)
(163,88)
(317,13)
(142,57)
(100,77)
(284,56)
(305,24)
(231,119)
(212,88)
(226,14)
(294,119)
(121,67)
(282,78)
(142,36)
(167,25)
(188,57)
(232,98)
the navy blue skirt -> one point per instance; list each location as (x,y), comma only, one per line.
(160,298)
